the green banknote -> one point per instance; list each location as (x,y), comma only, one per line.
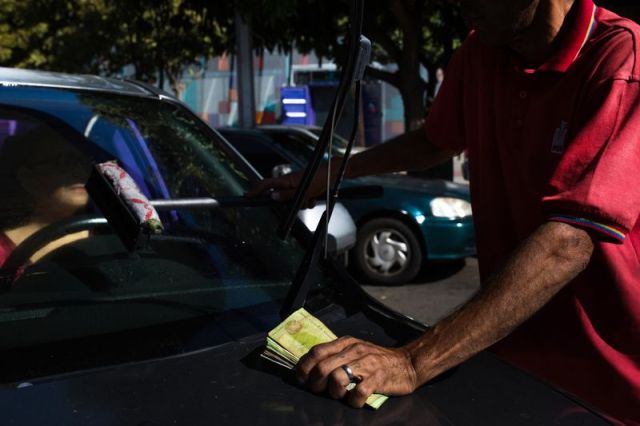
(295,336)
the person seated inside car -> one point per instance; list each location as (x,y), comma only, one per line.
(42,179)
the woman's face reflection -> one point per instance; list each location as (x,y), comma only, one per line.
(54,177)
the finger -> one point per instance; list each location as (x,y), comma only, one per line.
(337,383)
(331,366)
(319,353)
(358,396)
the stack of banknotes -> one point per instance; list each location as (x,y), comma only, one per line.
(295,336)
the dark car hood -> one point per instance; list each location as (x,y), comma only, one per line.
(231,384)
(433,187)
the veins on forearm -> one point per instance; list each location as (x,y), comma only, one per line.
(550,258)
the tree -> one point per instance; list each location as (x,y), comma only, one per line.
(411,34)
(159,38)
(407,33)
(162,38)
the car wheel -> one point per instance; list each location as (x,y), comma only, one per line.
(387,252)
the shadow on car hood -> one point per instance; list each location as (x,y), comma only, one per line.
(231,384)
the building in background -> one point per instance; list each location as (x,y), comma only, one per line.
(305,84)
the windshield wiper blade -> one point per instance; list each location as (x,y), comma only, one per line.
(347,77)
(360,50)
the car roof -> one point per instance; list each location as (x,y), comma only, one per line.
(14,77)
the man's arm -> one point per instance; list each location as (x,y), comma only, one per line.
(542,265)
(409,151)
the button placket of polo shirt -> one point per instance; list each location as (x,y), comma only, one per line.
(523,99)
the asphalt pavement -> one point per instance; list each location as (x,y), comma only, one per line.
(438,291)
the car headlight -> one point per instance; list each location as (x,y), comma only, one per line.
(452,208)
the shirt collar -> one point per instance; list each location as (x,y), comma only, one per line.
(573,40)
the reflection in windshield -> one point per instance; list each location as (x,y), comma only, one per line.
(43,178)
(206,261)
(338,141)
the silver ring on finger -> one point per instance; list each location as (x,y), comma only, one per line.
(353,380)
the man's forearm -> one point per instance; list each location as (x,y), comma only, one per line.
(409,151)
(550,258)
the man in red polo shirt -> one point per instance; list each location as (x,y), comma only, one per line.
(545,96)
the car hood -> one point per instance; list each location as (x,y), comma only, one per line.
(432,187)
(231,384)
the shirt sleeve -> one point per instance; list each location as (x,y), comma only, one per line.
(444,125)
(596,184)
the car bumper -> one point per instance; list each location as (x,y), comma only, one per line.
(447,239)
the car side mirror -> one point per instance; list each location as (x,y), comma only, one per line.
(281,170)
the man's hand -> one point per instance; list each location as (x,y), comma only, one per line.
(546,261)
(284,187)
(381,370)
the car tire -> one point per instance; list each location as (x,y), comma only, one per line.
(387,252)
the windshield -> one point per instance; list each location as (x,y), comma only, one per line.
(301,145)
(339,143)
(207,261)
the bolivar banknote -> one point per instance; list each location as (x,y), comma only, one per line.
(295,336)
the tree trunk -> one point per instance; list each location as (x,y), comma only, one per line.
(161,77)
(175,83)
(413,95)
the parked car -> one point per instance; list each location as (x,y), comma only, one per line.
(416,220)
(170,332)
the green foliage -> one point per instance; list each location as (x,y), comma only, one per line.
(101,36)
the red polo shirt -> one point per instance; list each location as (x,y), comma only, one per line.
(561,143)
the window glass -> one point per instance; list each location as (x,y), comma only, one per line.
(78,279)
(339,143)
(258,152)
(300,149)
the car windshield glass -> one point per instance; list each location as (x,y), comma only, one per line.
(299,148)
(339,142)
(82,280)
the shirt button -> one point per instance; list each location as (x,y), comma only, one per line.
(523,94)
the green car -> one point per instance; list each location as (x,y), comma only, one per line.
(415,220)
